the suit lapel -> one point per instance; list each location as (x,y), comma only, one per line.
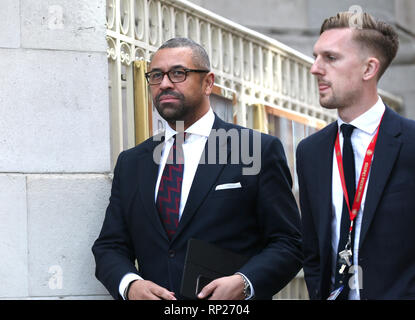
(324,166)
(204,179)
(148,174)
(386,152)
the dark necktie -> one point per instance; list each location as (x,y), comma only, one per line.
(350,177)
(170,188)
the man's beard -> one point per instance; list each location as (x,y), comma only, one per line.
(329,102)
(337,102)
(172,112)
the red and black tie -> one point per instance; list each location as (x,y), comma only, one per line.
(169,192)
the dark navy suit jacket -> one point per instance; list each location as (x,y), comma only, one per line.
(387,239)
(260,219)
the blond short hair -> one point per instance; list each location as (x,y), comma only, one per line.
(376,35)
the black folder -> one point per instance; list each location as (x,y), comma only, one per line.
(206,261)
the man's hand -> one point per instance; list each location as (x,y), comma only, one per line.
(147,290)
(225,288)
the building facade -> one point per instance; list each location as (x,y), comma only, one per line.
(297,24)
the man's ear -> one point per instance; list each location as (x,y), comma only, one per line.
(208,83)
(371,69)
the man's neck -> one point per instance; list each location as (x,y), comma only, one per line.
(349,113)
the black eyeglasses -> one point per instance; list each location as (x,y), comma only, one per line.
(175,75)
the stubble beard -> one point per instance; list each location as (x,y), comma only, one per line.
(334,101)
(172,112)
(329,102)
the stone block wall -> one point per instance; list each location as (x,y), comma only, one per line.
(54,147)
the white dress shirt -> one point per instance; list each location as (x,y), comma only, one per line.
(193,146)
(366,126)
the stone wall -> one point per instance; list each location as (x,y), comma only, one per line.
(54,147)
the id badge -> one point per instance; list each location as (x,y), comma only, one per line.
(335,293)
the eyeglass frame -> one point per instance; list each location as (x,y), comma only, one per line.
(186,71)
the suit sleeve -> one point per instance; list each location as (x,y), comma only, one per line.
(113,250)
(281,258)
(310,240)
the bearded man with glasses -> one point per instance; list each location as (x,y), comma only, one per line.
(156,207)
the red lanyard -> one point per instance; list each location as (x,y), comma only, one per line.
(364,174)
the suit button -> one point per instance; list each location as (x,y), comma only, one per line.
(172,254)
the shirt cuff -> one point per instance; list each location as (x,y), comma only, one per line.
(250,285)
(125,281)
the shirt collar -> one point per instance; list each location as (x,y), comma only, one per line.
(201,127)
(369,121)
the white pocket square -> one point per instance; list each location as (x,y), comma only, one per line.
(228,186)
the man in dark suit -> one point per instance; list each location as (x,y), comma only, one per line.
(247,208)
(376,258)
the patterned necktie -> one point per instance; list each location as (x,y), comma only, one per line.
(169,192)
(350,177)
